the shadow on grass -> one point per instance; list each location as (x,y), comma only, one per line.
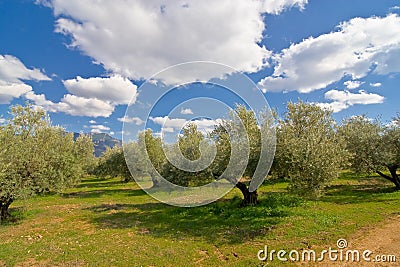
(99,193)
(362,193)
(99,183)
(16,216)
(219,222)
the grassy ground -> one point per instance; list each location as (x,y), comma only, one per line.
(109,223)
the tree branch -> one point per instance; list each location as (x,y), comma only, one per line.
(385,176)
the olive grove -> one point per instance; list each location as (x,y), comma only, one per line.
(373,147)
(36,157)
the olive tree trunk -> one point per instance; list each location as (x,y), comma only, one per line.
(249,198)
(4,205)
(394,177)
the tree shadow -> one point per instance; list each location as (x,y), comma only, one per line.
(15,217)
(219,222)
(361,193)
(98,183)
(104,192)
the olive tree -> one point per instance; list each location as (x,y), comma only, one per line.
(154,158)
(186,151)
(309,151)
(373,146)
(112,163)
(242,130)
(139,159)
(36,157)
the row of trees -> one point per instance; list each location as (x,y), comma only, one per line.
(311,150)
(373,147)
(36,157)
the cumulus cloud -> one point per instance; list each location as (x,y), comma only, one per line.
(114,89)
(80,106)
(13,90)
(375,84)
(345,99)
(167,122)
(138,38)
(361,98)
(92,97)
(12,74)
(206,125)
(13,70)
(74,105)
(358,47)
(277,6)
(99,128)
(171,125)
(353,84)
(135,120)
(186,111)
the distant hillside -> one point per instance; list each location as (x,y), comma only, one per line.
(101,142)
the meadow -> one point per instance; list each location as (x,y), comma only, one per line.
(105,222)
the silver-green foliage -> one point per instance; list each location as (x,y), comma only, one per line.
(373,146)
(187,146)
(309,150)
(36,157)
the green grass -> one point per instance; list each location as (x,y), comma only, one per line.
(104,222)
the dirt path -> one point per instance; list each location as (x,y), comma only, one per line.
(383,240)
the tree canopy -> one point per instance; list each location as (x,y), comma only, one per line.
(374,147)
(309,150)
(36,157)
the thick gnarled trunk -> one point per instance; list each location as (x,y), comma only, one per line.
(4,205)
(249,198)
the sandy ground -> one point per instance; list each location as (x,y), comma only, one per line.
(383,240)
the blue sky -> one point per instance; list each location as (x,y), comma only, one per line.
(84,61)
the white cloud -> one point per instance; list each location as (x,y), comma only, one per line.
(186,111)
(353,84)
(345,99)
(375,84)
(359,46)
(80,106)
(205,125)
(168,130)
(114,89)
(92,97)
(138,38)
(92,122)
(336,106)
(135,120)
(13,90)
(99,128)
(277,6)
(176,124)
(361,98)
(13,70)
(12,74)
(74,105)
(166,122)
